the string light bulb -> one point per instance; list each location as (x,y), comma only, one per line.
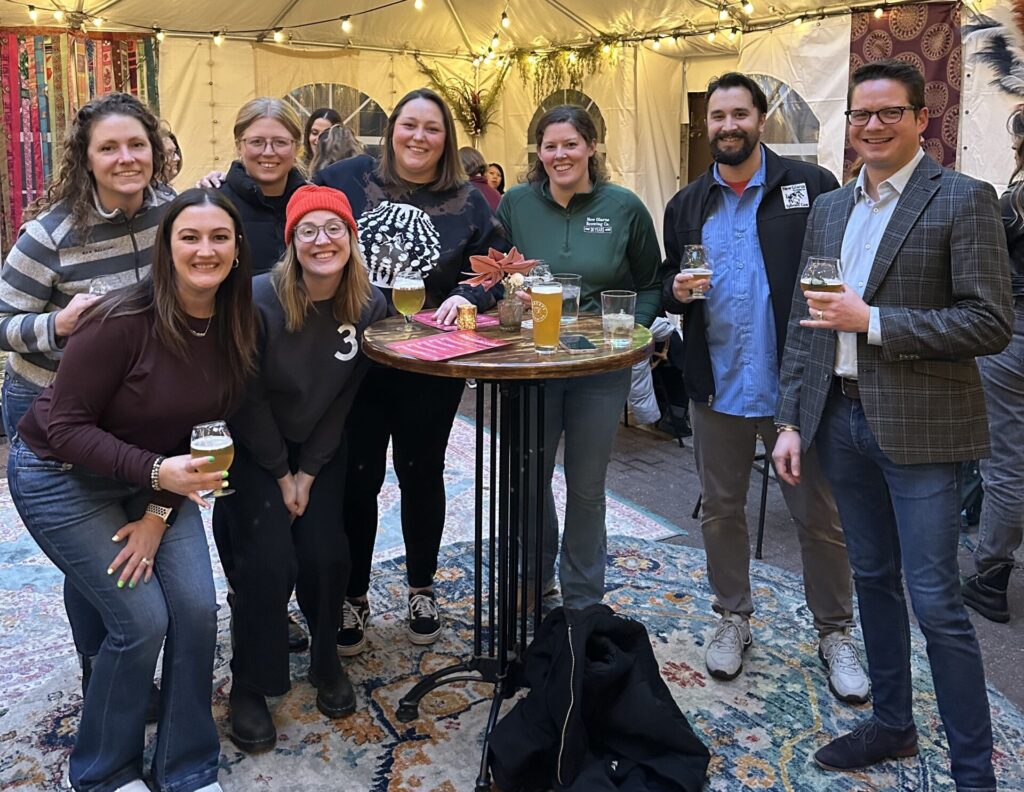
(218,38)
(278,35)
(572,56)
(712,36)
(723,13)
(495,40)
(656,44)
(33,14)
(58,15)
(346,24)
(878,12)
(748,8)
(158,33)
(505,21)
(97,22)
(606,49)
(733,32)
(532,58)
(798,21)
(418,5)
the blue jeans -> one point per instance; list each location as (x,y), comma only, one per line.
(909,516)
(17,395)
(587,410)
(1002,510)
(72,514)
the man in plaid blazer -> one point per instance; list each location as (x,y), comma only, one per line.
(881,377)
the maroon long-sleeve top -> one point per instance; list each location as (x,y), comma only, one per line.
(122,398)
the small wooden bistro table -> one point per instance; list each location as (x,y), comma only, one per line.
(512,378)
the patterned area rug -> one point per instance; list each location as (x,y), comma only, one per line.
(762,728)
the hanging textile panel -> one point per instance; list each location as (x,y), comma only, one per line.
(927,36)
(46,74)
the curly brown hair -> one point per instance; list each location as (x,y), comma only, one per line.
(74,182)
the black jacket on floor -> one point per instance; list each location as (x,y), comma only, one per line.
(598,716)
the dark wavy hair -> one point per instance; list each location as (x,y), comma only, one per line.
(449,170)
(74,183)
(1015,126)
(330,114)
(234,322)
(584,125)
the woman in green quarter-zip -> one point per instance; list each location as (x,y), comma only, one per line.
(572,218)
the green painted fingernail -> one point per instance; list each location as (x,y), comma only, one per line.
(131,585)
(209,459)
(224,474)
(120,584)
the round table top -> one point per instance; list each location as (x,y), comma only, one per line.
(516,361)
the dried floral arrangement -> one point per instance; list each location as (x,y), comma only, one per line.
(472,107)
(547,72)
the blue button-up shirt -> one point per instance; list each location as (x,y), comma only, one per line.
(740,323)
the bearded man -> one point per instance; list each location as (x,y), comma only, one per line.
(750,210)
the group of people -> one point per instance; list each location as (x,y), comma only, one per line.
(245,300)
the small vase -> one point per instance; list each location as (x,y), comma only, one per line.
(510,314)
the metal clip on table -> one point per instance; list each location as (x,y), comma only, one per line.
(510,393)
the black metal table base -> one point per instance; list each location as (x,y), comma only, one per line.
(512,507)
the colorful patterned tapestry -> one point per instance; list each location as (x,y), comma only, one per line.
(46,74)
(926,36)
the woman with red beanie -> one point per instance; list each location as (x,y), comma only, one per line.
(284,523)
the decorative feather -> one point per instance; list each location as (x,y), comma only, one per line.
(1001,48)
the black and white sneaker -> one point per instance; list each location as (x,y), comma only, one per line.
(424,620)
(352,634)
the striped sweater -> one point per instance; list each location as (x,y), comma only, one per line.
(50,264)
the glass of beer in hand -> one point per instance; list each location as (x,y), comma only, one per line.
(214,440)
(408,293)
(697,263)
(547,315)
(822,275)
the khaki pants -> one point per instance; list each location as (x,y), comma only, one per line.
(724,447)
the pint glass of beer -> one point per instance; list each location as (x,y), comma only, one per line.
(547,315)
(214,440)
(821,274)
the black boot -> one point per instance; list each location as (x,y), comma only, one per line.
(335,699)
(152,704)
(986,593)
(297,640)
(252,728)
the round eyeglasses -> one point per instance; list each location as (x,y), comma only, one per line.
(258,145)
(334,229)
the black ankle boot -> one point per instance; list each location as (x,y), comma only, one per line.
(334,699)
(152,704)
(986,593)
(252,728)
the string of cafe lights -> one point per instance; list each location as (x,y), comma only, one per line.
(733,18)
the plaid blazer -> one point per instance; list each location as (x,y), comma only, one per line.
(941,281)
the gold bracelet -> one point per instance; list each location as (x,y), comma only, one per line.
(787,428)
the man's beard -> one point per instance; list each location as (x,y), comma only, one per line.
(738,156)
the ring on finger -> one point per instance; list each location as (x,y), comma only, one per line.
(821,315)
(145,562)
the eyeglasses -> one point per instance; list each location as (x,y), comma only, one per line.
(257,145)
(307,232)
(887,115)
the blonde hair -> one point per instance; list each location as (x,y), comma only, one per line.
(352,295)
(267,107)
(333,145)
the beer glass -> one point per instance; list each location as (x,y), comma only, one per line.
(214,440)
(408,293)
(547,315)
(618,315)
(697,263)
(821,274)
(571,285)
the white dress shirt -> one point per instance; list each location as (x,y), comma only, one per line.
(864,231)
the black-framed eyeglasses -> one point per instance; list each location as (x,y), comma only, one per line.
(307,232)
(887,115)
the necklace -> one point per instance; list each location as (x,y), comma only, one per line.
(202,334)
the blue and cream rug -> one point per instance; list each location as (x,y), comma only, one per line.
(761,728)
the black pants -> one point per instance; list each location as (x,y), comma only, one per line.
(269,557)
(416,412)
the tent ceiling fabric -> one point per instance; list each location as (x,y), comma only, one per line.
(456,27)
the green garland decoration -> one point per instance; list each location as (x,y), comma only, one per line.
(547,72)
(472,107)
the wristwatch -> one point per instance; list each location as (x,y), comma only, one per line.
(163,512)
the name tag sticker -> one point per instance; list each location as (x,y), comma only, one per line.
(794,196)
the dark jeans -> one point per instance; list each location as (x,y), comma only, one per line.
(17,395)
(72,515)
(908,517)
(271,556)
(416,413)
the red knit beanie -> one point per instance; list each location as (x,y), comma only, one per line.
(310,198)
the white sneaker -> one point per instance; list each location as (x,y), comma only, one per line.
(214,787)
(724,653)
(138,785)
(846,677)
